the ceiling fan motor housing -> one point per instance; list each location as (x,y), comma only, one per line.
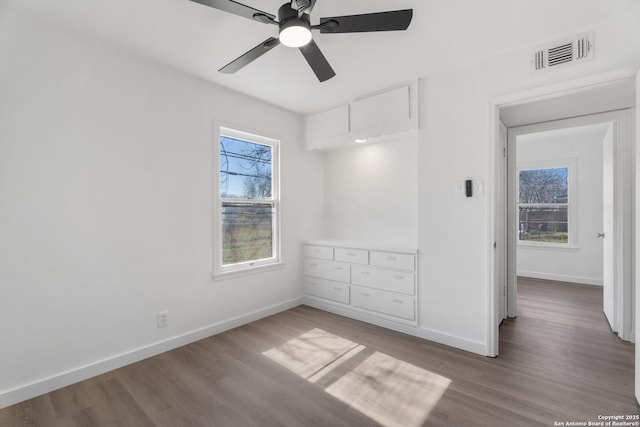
(289,17)
(291,22)
(286,11)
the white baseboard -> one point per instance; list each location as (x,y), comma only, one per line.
(425,333)
(63,379)
(453,341)
(561,278)
(362,315)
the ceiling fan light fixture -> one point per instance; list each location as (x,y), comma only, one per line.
(295,32)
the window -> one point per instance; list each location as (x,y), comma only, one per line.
(544,206)
(247,203)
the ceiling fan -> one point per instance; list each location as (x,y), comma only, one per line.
(295,30)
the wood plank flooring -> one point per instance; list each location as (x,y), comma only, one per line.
(558,362)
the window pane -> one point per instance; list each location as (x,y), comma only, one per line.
(245,169)
(544,185)
(247,231)
(544,224)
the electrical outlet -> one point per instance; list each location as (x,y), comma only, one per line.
(163,319)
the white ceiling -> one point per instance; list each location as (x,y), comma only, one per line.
(443,35)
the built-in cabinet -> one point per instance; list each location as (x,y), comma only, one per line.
(376,285)
(371,118)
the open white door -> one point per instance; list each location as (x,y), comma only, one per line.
(608,187)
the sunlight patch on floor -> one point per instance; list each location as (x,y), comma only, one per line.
(387,390)
(390,391)
(314,353)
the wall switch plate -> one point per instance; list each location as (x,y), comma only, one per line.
(477,188)
(468,188)
(163,319)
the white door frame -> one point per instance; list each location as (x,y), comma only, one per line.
(637,223)
(500,224)
(494,199)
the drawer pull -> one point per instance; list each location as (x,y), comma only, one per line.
(397,276)
(313,264)
(365,272)
(364,295)
(336,288)
(392,258)
(399,301)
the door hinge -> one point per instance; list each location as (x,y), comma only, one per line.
(504,151)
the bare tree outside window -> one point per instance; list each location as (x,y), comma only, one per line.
(544,205)
(245,169)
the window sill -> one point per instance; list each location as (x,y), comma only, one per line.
(571,248)
(248,271)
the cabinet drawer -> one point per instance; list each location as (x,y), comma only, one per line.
(393,260)
(355,256)
(321,252)
(383,302)
(337,271)
(388,280)
(334,291)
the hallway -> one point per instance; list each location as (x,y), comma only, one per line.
(562,340)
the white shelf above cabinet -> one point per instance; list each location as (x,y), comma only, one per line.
(326,126)
(372,118)
(387,108)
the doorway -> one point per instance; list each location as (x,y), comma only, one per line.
(577,101)
(567,203)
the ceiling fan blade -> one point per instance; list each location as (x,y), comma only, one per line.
(239,9)
(250,56)
(317,61)
(382,21)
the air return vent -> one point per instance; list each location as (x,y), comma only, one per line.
(574,50)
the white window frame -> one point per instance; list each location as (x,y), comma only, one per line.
(572,220)
(221,271)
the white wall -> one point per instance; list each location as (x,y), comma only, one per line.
(454,144)
(106,207)
(370,193)
(582,264)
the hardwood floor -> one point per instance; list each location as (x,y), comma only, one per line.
(558,362)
